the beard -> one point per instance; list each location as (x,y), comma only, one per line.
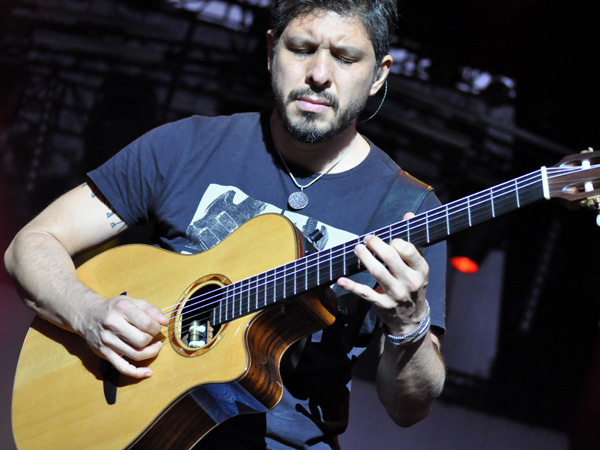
(306,128)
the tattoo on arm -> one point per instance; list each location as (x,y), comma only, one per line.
(120,224)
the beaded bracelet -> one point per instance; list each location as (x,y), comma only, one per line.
(415,335)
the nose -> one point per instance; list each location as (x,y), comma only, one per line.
(319,73)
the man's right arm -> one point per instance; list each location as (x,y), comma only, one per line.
(39,260)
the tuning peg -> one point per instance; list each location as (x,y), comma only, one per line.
(593,203)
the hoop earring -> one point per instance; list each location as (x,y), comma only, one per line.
(380,105)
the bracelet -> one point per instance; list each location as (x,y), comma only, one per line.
(415,335)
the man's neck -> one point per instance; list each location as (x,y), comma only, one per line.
(318,157)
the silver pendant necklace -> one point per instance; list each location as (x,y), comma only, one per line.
(299,200)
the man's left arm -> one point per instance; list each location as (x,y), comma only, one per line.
(411,372)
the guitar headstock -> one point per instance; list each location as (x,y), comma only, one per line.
(576,179)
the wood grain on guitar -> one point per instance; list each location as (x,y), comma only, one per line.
(234,310)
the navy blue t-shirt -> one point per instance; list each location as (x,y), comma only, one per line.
(199,179)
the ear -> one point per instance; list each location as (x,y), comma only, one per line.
(382,73)
(270,49)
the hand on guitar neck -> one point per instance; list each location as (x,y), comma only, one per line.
(401,273)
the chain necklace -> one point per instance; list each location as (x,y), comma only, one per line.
(299,200)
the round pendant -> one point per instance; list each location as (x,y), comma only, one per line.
(298,200)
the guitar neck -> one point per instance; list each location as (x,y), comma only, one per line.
(324,267)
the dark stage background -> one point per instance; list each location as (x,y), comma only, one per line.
(481,92)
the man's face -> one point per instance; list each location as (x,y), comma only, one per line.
(322,74)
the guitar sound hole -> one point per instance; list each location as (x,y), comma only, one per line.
(195,328)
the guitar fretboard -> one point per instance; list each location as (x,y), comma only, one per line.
(324,267)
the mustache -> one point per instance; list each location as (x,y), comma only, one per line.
(308,92)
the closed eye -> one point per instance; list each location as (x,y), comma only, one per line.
(344,60)
(302,52)
(301,49)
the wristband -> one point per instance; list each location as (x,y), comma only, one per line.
(415,335)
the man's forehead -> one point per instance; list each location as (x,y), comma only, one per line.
(344,27)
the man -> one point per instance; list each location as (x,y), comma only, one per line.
(200,178)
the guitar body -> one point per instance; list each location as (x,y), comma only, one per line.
(65,396)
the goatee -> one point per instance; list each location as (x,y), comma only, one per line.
(306,129)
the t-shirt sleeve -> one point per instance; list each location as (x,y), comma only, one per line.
(133,179)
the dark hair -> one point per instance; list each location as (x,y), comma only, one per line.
(379,17)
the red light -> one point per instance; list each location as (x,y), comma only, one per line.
(464,264)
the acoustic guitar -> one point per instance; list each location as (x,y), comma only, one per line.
(233,311)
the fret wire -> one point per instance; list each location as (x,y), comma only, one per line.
(248,295)
(235,300)
(266,290)
(284,281)
(273,281)
(318,279)
(469,210)
(240,296)
(244,307)
(232,305)
(245,297)
(295,277)
(307,273)
(265,298)
(274,284)
(256,293)
(235,309)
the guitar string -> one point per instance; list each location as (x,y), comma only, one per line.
(485,197)
(444,210)
(267,279)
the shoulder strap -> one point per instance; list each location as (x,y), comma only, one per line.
(405,194)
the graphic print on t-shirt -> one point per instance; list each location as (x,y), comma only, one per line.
(223,209)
